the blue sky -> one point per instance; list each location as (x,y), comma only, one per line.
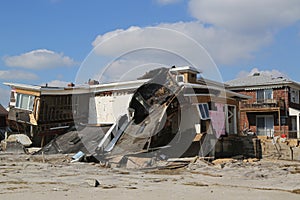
(46,41)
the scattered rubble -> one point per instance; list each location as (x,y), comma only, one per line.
(57,175)
(92,182)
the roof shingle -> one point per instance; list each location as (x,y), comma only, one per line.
(258,79)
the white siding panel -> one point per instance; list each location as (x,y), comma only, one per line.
(107,109)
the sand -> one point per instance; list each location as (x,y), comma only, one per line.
(28,177)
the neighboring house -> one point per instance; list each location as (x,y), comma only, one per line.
(274,108)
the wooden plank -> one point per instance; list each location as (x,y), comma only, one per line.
(198,137)
(260,109)
(188,159)
(28,92)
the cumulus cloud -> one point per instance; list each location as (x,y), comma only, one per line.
(166,44)
(167,2)
(273,73)
(244,16)
(229,30)
(39,59)
(7,75)
(223,46)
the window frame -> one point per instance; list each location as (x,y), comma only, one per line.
(203,110)
(29,104)
(264,94)
(294,96)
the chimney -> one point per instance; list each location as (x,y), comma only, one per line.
(71,85)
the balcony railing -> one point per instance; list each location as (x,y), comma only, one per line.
(266,103)
(273,133)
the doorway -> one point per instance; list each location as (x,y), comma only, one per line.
(265,125)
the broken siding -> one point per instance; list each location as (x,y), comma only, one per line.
(106,109)
(62,108)
(110,101)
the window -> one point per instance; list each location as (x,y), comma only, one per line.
(25,101)
(294,95)
(265,125)
(180,78)
(293,125)
(203,111)
(262,95)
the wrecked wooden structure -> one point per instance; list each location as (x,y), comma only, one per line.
(109,101)
(41,112)
(174,114)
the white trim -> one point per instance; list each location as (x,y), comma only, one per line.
(227,94)
(84,89)
(295,112)
(263,87)
(207,116)
(24,86)
(185,69)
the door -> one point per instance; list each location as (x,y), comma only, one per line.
(265,125)
(231,124)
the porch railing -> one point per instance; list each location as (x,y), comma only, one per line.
(266,103)
(272,133)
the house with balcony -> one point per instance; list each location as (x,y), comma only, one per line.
(274,108)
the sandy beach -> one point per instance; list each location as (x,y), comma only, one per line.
(28,177)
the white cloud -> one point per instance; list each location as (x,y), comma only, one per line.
(273,73)
(167,2)
(230,31)
(16,75)
(244,16)
(166,44)
(224,46)
(39,59)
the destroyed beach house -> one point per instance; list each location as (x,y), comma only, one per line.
(44,112)
(41,112)
(174,112)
